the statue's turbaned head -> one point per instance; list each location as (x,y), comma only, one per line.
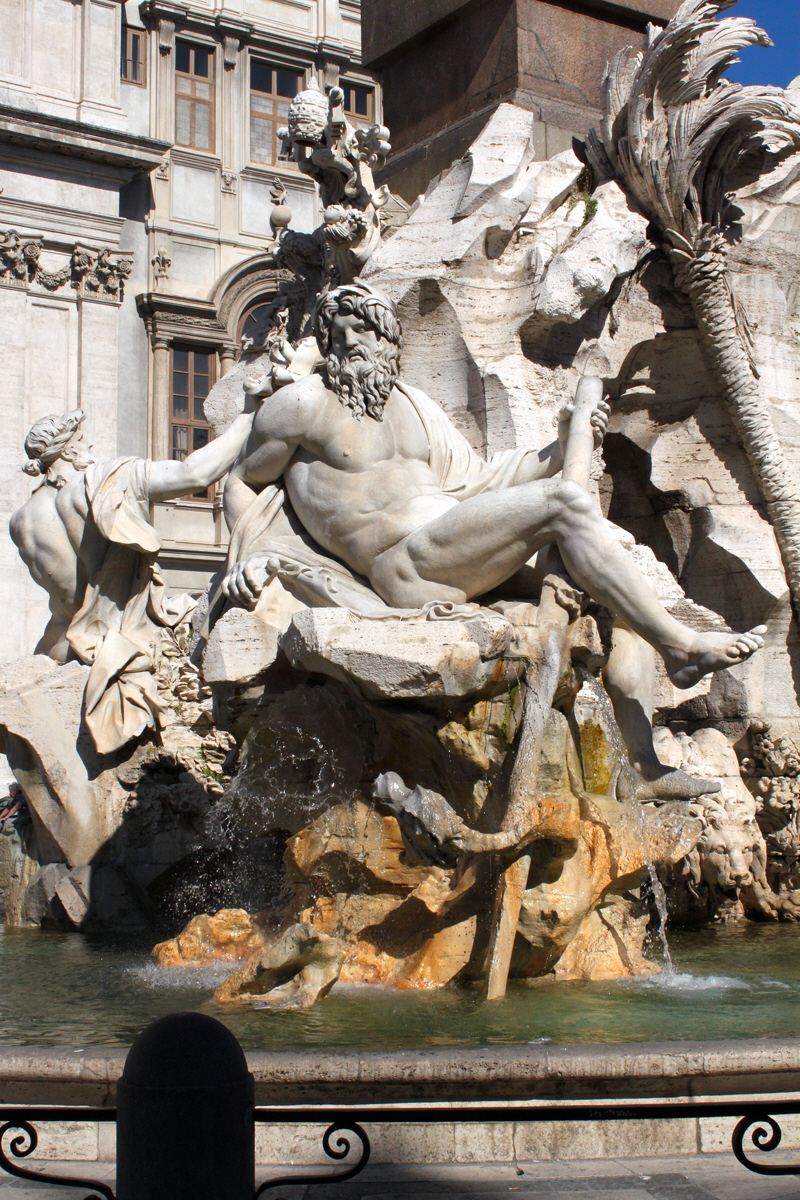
(359,336)
(53,437)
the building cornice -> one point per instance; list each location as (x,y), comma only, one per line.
(247,32)
(90,229)
(75,139)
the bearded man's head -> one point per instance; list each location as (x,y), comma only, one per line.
(362,355)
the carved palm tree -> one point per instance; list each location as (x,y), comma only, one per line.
(673,133)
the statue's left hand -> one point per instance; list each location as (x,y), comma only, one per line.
(599,420)
(261,386)
(600,423)
(245,581)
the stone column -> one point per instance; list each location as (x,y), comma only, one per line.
(159,419)
(227,359)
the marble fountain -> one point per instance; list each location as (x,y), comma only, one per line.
(496,698)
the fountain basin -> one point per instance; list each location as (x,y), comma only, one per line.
(731,983)
(556,1041)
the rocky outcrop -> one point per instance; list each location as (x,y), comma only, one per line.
(298,969)
(407,904)
(228,936)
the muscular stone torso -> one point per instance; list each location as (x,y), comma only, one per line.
(359,487)
(60,547)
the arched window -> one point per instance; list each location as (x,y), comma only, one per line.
(251,325)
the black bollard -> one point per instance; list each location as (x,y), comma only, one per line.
(185,1126)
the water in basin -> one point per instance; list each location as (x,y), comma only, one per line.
(69,989)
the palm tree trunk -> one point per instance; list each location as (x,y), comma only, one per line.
(705,278)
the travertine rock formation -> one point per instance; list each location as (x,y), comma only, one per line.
(397,917)
(229,935)
(298,969)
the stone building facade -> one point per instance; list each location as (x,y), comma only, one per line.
(139,147)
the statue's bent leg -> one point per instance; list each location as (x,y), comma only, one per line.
(478,544)
(629,676)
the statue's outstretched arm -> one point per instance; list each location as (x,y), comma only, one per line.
(203,467)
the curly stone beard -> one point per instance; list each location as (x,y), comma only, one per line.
(363,379)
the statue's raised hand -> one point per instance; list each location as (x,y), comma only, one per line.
(599,421)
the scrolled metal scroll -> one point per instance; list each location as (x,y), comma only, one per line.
(337,1145)
(21,1148)
(766,1135)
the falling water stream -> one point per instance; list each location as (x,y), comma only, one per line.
(660,898)
(624,767)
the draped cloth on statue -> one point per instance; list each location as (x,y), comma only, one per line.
(125,605)
(310,574)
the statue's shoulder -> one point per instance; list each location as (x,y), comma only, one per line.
(291,407)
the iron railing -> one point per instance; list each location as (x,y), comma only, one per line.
(756,1119)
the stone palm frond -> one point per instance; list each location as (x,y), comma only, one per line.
(673,129)
(673,134)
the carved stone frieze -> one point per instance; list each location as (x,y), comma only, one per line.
(100,273)
(19,257)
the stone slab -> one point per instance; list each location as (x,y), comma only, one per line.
(759,1067)
(422,659)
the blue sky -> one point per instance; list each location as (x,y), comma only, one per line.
(781,19)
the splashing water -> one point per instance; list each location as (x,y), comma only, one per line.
(660,897)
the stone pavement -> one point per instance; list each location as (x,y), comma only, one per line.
(700,1177)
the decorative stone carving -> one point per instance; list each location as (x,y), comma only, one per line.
(773,774)
(432,830)
(162,170)
(102,273)
(724,876)
(300,968)
(166,35)
(161,263)
(673,134)
(229,179)
(340,159)
(230,52)
(111,619)
(19,257)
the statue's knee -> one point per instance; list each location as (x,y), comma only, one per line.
(574,500)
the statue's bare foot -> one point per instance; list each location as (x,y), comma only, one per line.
(711,652)
(672,784)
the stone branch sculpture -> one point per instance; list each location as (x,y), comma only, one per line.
(673,133)
(431,828)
